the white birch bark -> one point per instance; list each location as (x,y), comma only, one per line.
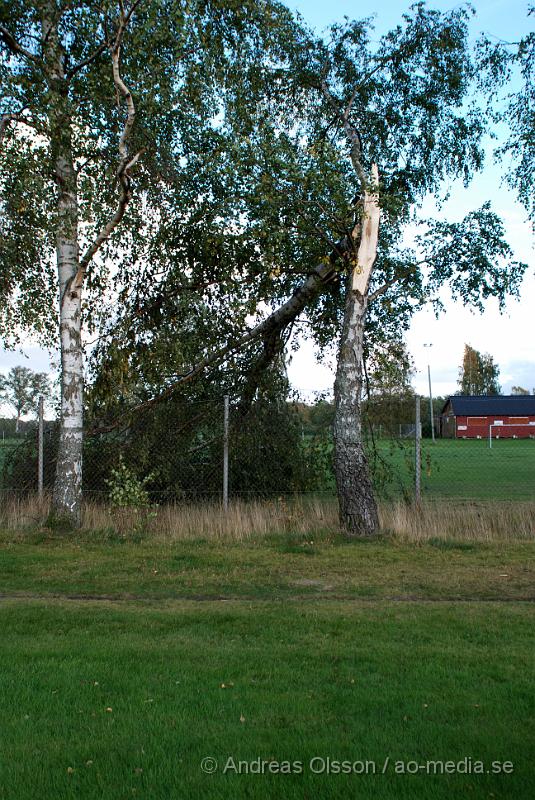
(67,494)
(358,509)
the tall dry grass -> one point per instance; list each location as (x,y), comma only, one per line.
(466,521)
(475,521)
(243,520)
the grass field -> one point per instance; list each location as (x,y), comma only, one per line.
(464,469)
(125,664)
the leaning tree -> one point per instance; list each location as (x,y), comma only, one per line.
(408,100)
(330,195)
(399,120)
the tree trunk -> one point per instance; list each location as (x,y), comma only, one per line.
(67,494)
(358,510)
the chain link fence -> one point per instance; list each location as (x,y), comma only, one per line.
(194,452)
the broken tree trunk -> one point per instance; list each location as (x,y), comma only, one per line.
(358,510)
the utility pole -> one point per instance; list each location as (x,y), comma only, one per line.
(431,415)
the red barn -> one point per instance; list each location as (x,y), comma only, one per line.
(470,417)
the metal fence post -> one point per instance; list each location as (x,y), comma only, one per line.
(225,451)
(431,414)
(40,465)
(417,454)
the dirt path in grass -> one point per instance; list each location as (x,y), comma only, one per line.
(208,598)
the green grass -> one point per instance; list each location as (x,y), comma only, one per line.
(301,655)
(460,469)
(465,469)
(275,568)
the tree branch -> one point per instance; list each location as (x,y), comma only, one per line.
(369,237)
(89,60)
(15,47)
(126,161)
(271,328)
(275,322)
(380,64)
(405,274)
(272,346)
(386,286)
(5,119)
(352,135)
(106,231)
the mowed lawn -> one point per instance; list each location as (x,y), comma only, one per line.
(124,665)
(466,470)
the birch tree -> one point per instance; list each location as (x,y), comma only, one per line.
(507,76)
(407,101)
(131,116)
(101,103)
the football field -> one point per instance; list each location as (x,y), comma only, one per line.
(467,470)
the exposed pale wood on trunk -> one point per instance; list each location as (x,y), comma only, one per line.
(358,510)
(367,252)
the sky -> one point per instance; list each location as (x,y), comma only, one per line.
(508,336)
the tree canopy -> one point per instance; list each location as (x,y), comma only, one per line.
(478,373)
(507,77)
(279,197)
(21,388)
